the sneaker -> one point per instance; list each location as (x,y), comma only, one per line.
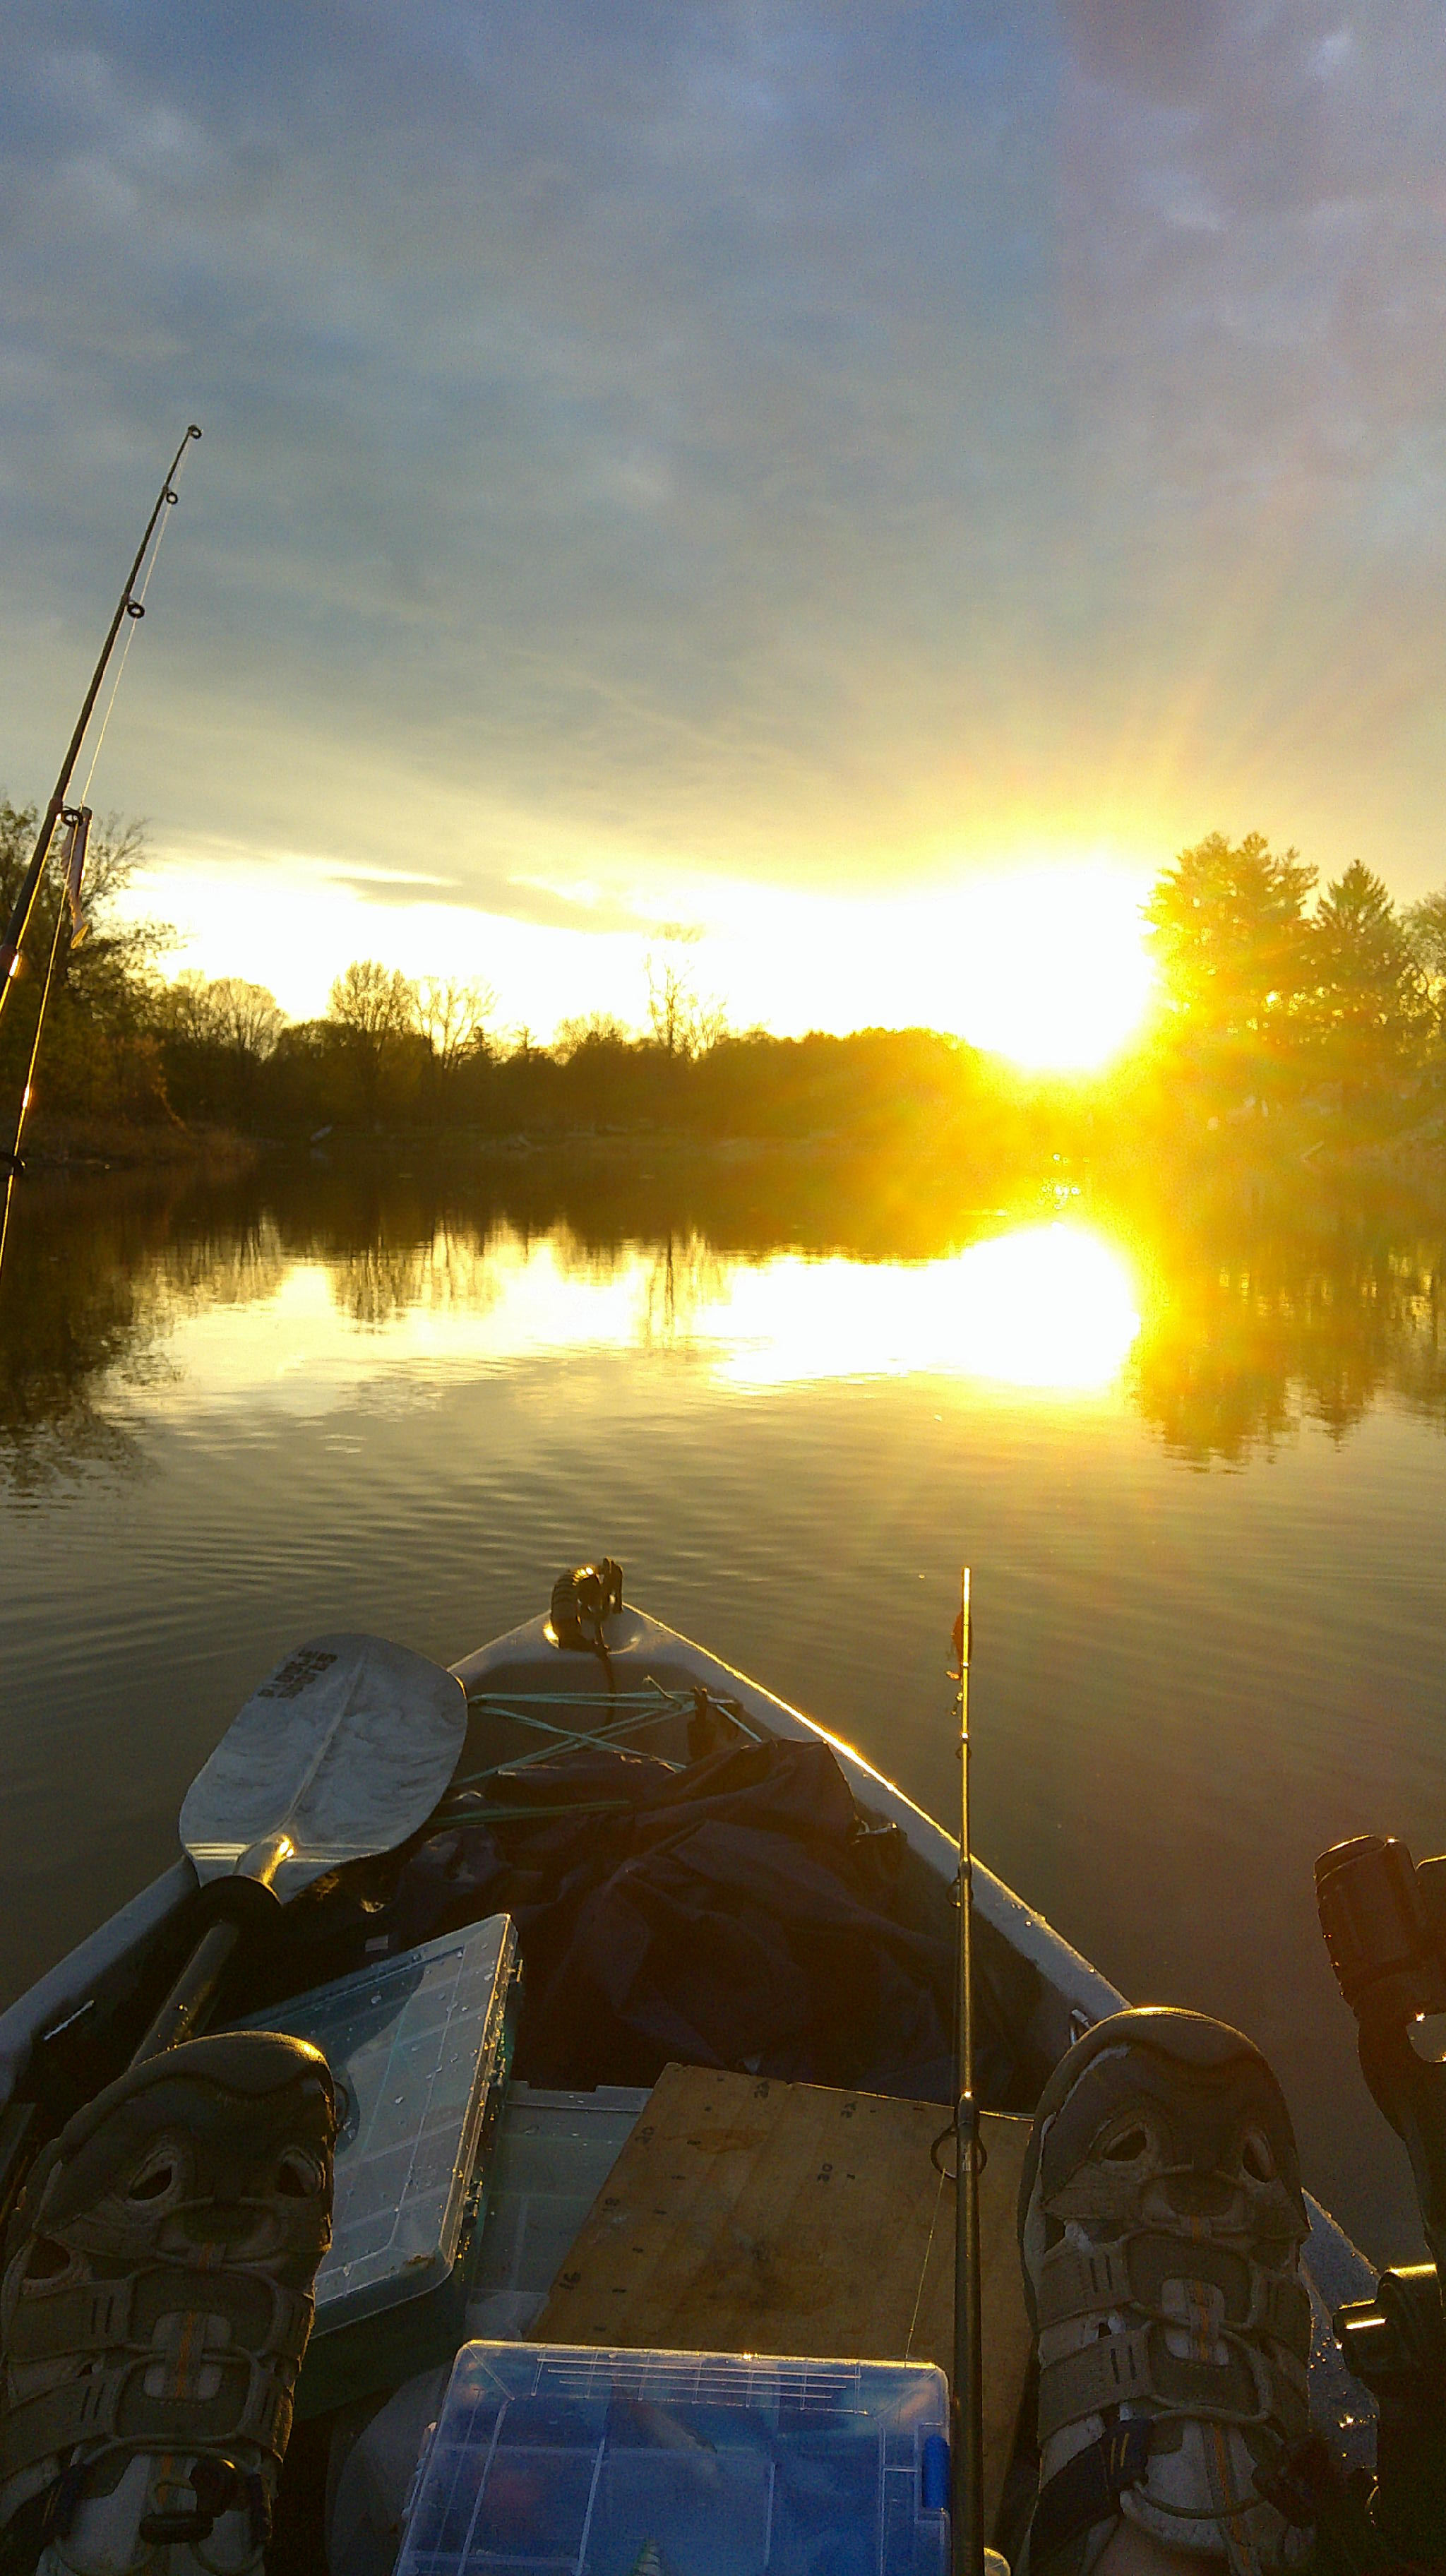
(155,2303)
(1160,2224)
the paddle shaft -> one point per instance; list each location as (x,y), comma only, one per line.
(967,2515)
(191,1997)
(189,2002)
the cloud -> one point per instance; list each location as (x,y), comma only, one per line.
(508,899)
(373,885)
(799,443)
(1163,48)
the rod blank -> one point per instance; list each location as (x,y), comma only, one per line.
(126,606)
(967,2516)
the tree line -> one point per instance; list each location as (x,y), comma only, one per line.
(124,1041)
(1269,1001)
(1273,1001)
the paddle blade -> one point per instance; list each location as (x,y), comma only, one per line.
(346,1749)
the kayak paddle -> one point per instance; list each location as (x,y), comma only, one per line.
(339,1754)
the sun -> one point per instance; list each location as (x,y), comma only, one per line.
(1052,969)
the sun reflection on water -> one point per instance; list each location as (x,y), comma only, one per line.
(1045,1306)
(1053,1305)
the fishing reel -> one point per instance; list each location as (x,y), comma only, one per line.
(1384,1920)
(582,1597)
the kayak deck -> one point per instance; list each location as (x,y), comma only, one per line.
(679,1850)
(745,2216)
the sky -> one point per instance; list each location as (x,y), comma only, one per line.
(860,484)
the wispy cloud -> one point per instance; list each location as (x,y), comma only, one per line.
(782,441)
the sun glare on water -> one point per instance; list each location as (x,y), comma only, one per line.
(1049,1306)
(1052,1305)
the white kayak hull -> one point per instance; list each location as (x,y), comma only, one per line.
(1069,1994)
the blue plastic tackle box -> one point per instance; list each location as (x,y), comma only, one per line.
(555,2458)
(418,2048)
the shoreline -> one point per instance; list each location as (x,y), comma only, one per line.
(944,1161)
(55,1146)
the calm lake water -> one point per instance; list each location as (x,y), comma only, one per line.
(1198,1469)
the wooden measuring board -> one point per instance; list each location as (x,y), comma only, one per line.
(750,2216)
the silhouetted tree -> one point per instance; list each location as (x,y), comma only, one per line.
(452,1015)
(215,1034)
(1370,1012)
(1424,927)
(1227,929)
(376,1008)
(683,1025)
(589,1030)
(100,1056)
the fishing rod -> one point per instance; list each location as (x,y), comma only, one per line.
(967,2502)
(127,606)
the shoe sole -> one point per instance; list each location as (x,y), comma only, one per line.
(1165,2031)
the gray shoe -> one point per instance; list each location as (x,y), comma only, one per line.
(1160,2226)
(155,2303)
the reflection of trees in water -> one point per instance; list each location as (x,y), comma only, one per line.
(576,1256)
(219,1266)
(1315,1322)
(97,1274)
(684,1275)
(1418,1374)
(1255,1320)
(389,1244)
(462,1267)
(452,1271)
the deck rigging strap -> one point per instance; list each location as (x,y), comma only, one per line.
(638,1710)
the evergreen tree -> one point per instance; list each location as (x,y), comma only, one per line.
(1424,925)
(1227,928)
(1370,1009)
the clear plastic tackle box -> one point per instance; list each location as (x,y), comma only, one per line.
(556,2458)
(418,2048)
